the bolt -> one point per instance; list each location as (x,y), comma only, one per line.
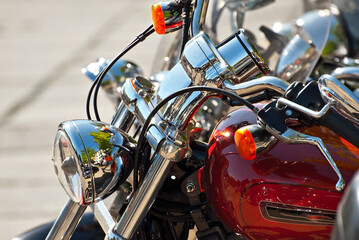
(162,124)
(188,154)
(142,93)
(191,187)
(288,113)
(126,187)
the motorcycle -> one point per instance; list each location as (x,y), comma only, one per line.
(210,147)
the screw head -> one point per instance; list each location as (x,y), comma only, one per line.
(162,124)
(188,154)
(142,93)
(191,187)
(289,112)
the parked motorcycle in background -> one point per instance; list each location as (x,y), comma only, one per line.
(248,136)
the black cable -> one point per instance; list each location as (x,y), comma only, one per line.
(142,138)
(143,164)
(266,95)
(172,218)
(186,24)
(165,206)
(97,83)
(137,132)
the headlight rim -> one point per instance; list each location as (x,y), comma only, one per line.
(95,186)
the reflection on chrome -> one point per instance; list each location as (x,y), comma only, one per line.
(115,78)
(344,101)
(90,159)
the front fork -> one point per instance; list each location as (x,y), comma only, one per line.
(67,221)
(138,207)
(142,201)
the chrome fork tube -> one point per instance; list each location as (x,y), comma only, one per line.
(123,118)
(142,200)
(67,221)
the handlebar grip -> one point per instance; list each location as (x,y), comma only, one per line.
(341,126)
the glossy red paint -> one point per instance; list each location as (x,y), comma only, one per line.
(294,176)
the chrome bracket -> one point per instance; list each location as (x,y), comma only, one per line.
(172,151)
(283,101)
(291,136)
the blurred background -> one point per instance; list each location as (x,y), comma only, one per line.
(43,46)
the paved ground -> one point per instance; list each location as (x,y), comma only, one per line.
(43,46)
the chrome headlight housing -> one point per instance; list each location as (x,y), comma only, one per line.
(90,159)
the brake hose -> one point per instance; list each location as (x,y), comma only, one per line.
(97,83)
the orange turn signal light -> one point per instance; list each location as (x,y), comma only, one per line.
(158,18)
(167,17)
(252,141)
(245,144)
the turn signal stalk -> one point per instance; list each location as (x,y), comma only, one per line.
(253,140)
(166,17)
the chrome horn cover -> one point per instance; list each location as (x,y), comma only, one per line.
(115,78)
(102,158)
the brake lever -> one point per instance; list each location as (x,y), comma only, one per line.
(278,129)
(292,136)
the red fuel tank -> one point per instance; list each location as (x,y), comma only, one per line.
(287,192)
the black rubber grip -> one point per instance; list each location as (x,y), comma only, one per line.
(341,126)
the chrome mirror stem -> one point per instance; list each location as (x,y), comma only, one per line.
(67,221)
(199,16)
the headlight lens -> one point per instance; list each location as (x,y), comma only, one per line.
(65,158)
(90,159)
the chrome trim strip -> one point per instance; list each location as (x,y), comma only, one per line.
(280,212)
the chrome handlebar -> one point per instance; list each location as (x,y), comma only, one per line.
(268,83)
(201,64)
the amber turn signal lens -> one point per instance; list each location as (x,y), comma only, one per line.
(158,19)
(245,144)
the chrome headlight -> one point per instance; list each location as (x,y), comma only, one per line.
(90,159)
